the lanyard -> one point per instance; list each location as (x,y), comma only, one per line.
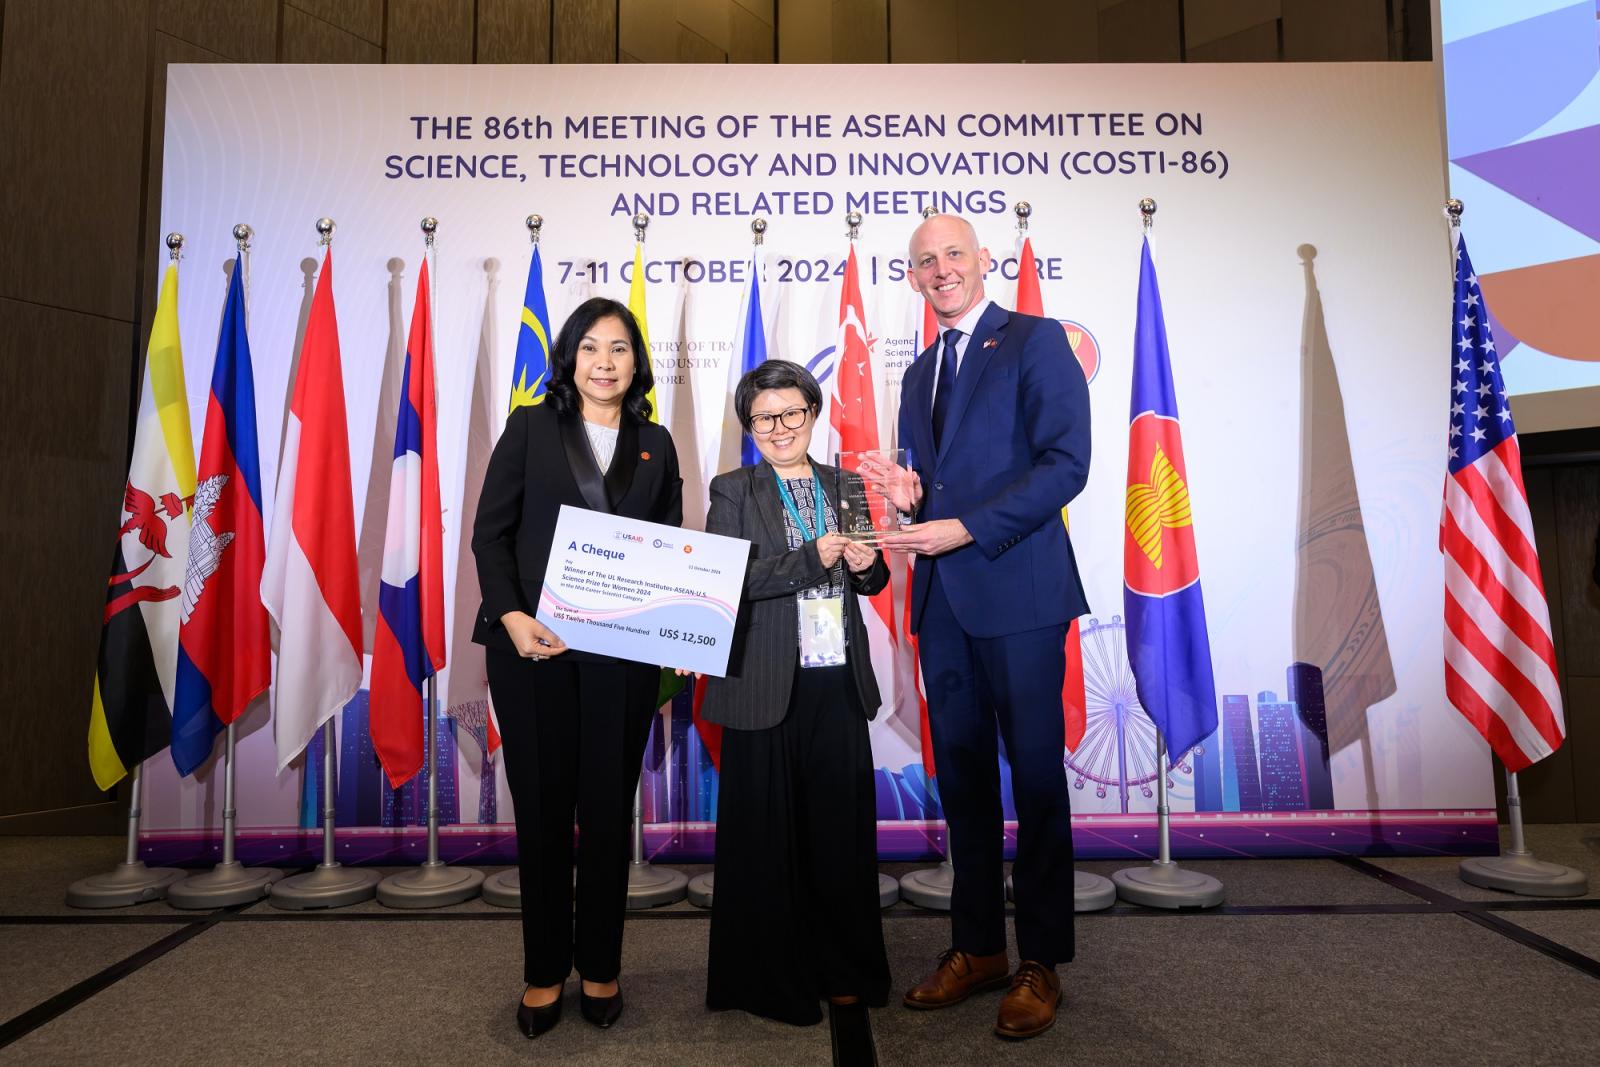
(806,533)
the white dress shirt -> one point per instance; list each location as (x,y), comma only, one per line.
(968,323)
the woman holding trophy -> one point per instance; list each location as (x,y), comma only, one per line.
(795,915)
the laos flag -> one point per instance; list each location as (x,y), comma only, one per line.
(1166,628)
(409,643)
(224,651)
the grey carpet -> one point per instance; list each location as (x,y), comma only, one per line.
(37,962)
(1574,845)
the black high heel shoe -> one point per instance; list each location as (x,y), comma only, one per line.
(535,1021)
(601,1011)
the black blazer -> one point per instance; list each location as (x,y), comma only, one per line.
(765,653)
(542,461)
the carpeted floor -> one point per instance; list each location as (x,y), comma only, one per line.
(1310,961)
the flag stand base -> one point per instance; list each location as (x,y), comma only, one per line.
(331,885)
(1090,892)
(1167,885)
(929,887)
(888,891)
(503,890)
(701,889)
(128,884)
(431,885)
(651,887)
(223,886)
(1521,872)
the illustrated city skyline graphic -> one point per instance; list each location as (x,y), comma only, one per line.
(1274,759)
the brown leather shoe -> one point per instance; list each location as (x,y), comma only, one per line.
(1029,1006)
(959,976)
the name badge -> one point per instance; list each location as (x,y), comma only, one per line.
(822,631)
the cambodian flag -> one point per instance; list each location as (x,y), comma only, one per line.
(224,651)
(409,643)
(1166,628)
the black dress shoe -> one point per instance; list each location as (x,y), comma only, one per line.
(602,1011)
(535,1021)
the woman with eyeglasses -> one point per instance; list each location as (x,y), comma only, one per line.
(795,915)
(573,724)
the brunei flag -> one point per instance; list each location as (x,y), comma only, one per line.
(131,718)
(1167,643)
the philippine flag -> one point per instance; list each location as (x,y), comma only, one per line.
(1166,630)
(408,646)
(224,649)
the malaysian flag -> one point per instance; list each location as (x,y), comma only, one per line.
(1499,659)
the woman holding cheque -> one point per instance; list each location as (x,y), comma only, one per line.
(573,724)
(795,916)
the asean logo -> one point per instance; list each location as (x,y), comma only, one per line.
(1084,346)
(1158,551)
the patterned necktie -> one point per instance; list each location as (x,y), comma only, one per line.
(946,387)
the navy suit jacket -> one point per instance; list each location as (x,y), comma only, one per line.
(1015,451)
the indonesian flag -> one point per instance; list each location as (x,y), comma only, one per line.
(311,584)
(1073,703)
(408,645)
(853,426)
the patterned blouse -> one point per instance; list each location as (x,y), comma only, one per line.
(801,490)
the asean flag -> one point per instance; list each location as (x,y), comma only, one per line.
(224,648)
(1168,647)
(408,646)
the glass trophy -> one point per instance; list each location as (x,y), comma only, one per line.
(868,482)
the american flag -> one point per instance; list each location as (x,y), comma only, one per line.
(1499,659)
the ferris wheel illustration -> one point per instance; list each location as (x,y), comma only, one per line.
(1118,750)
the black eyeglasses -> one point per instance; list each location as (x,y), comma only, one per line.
(792,419)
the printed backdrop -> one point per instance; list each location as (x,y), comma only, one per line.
(1305,270)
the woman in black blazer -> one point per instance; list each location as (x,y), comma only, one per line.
(795,917)
(573,724)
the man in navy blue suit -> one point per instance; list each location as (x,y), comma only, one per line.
(995,418)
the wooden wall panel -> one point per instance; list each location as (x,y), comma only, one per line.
(1140,31)
(1577,496)
(1317,31)
(364,18)
(805,31)
(308,39)
(1205,21)
(585,31)
(63,475)
(513,31)
(709,19)
(1583,744)
(752,38)
(1258,44)
(693,48)
(860,31)
(925,31)
(72,109)
(1061,31)
(245,31)
(429,31)
(647,30)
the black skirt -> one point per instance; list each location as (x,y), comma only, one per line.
(795,916)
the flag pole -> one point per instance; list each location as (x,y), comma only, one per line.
(503,889)
(330,884)
(1090,892)
(434,884)
(229,882)
(130,882)
(1163,883)
(648,886)
(930,887)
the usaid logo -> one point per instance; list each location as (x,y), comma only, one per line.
(635,538)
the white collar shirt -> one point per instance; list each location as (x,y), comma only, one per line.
(968,323)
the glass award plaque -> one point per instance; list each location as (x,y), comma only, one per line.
(867,482)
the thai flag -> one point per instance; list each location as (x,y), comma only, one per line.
(1166,629)
(224,649)
(311,583)
(408,646)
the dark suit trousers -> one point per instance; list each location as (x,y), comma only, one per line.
(573,733)
(977,687)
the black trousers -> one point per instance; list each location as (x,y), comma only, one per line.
(573,733)
(795,917)
(978,689)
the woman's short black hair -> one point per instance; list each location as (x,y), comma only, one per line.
(775,374)
(564,358)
